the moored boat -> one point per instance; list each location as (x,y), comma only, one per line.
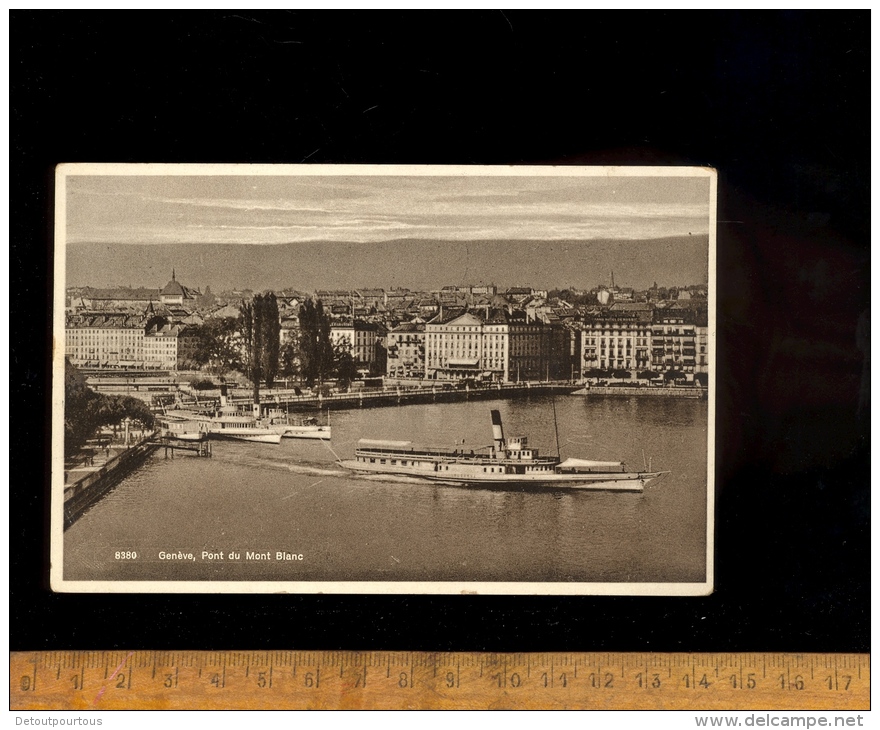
(182,428)
(230,423)
(303,428)
(508,463)
(241,428)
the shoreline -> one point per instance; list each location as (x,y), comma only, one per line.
(84,491)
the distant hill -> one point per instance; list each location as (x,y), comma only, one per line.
(404,263)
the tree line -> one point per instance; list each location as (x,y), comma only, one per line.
(251,344)
(85,411)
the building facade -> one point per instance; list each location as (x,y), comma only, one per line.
(674,341)
(120,340)
(454,345)
(680,341)
(617,338)
(105,340)
(160,348)
(501,347)
(361,336)
(406,351)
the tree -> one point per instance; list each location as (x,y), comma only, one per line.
(77,416)
(380,364)
(316,353)
(344,365)
(289,366)
(85,411)
(597,373)
(647,375)
(260,340)
(216,344)
(672,375)
(271,324)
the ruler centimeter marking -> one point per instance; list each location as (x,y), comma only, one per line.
(105,680)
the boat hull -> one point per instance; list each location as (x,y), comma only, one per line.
(616,481)
(259,438)
(185,435)
(321,433)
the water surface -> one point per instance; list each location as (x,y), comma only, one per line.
(292,498)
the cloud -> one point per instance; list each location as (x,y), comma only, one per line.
(242,205)
(278,209)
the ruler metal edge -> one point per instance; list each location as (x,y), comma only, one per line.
(288,679)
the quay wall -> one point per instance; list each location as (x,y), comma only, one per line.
(84,492)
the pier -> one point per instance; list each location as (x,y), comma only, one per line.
(201,447)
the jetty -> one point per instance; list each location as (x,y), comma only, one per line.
(200,447)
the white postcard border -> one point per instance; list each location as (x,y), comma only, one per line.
(59,584)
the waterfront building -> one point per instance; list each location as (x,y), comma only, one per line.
(678,331)
(453,345)
(617,338)
(122,340)
(701,327)
(503,346)
(160,347)
(406,351)
(113,339)
(537,350)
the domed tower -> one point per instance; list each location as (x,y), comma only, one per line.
(173,293)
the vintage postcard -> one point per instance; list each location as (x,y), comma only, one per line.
(384,379)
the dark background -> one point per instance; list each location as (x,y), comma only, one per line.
(778,102)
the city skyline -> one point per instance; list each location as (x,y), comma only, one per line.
(417,265)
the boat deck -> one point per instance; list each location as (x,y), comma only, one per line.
(458,456)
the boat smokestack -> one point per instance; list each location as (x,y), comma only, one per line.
(223,393)
(497,431)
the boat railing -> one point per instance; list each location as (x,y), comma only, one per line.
(476,457)
(473,453)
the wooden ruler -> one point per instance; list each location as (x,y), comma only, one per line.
(104,680)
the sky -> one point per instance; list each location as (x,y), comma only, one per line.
(266,208)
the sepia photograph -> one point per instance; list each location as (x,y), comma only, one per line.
(383,379)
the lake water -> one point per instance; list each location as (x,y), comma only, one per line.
(292,498)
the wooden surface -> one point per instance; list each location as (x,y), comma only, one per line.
(396,680)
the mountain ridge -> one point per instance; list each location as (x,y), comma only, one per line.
(411,263)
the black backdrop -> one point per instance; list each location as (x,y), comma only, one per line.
(778,102)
